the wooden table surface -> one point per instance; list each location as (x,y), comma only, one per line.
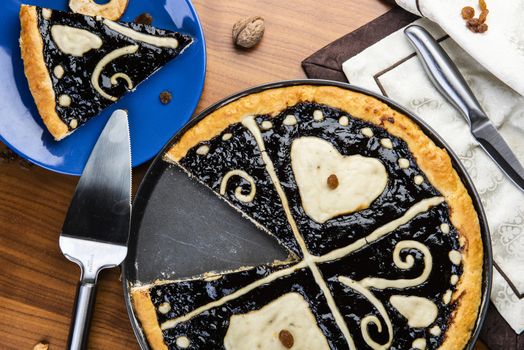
(37,284)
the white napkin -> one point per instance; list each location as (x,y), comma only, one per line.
(500,50)
(390,67)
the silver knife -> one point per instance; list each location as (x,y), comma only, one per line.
(96,228)
(448,80)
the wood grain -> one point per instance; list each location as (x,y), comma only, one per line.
(37,284)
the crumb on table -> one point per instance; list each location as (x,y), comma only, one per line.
(41,346)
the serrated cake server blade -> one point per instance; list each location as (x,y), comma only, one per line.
(96,228)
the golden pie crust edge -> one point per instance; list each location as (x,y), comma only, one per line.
(432,160)
(112,10)
(40,85)
(146,313)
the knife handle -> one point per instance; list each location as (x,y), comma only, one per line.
(81,319)
(445,75)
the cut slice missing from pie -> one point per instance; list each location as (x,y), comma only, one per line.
(78,65)
(388,238)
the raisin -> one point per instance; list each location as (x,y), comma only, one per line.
(332,181)
(144,18)
(473,24)
(468,12)
(165,97)
(482,28)
(483,16)
(476,25)
(286,338)
(483,6)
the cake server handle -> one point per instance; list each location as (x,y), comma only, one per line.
(81,318)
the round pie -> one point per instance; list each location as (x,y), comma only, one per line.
(384,242)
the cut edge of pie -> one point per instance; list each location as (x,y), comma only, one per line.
(146,312)
(432,160)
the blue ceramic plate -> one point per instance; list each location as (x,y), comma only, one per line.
(152,124)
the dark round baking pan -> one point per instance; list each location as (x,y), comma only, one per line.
(161,203)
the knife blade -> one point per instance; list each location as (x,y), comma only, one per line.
(96,227)
(495,146)
(449,81)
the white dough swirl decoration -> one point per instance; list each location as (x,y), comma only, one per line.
(363,287)
(238,191)
(113,55)
(381,283)
(371,319)
(124,76)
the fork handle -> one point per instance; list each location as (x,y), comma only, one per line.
(81,318)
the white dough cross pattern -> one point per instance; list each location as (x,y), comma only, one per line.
(360,180)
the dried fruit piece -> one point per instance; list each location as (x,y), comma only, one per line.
(144,18)
(332,181)
(472,24)
(483,15)
(482,5)
(286,338)
(468,12)
(476,25)
(482,28)
(165,97)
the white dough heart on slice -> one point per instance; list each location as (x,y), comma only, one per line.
(359,180)
(261,329)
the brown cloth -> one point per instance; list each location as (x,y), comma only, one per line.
(327,64)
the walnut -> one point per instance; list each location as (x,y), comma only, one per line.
(248,31)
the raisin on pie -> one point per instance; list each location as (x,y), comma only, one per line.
(78,65)
(384,238)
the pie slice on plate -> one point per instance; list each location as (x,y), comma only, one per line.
(388,241)
(78,65)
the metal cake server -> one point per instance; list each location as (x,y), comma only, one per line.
(448,80)
(96,228)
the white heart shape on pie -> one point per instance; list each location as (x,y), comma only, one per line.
(360,179)
(74,41)
(260,329)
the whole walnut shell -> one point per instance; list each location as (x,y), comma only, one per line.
(248,31)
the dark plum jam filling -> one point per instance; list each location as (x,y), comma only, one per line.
(86,101)
(426,245)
